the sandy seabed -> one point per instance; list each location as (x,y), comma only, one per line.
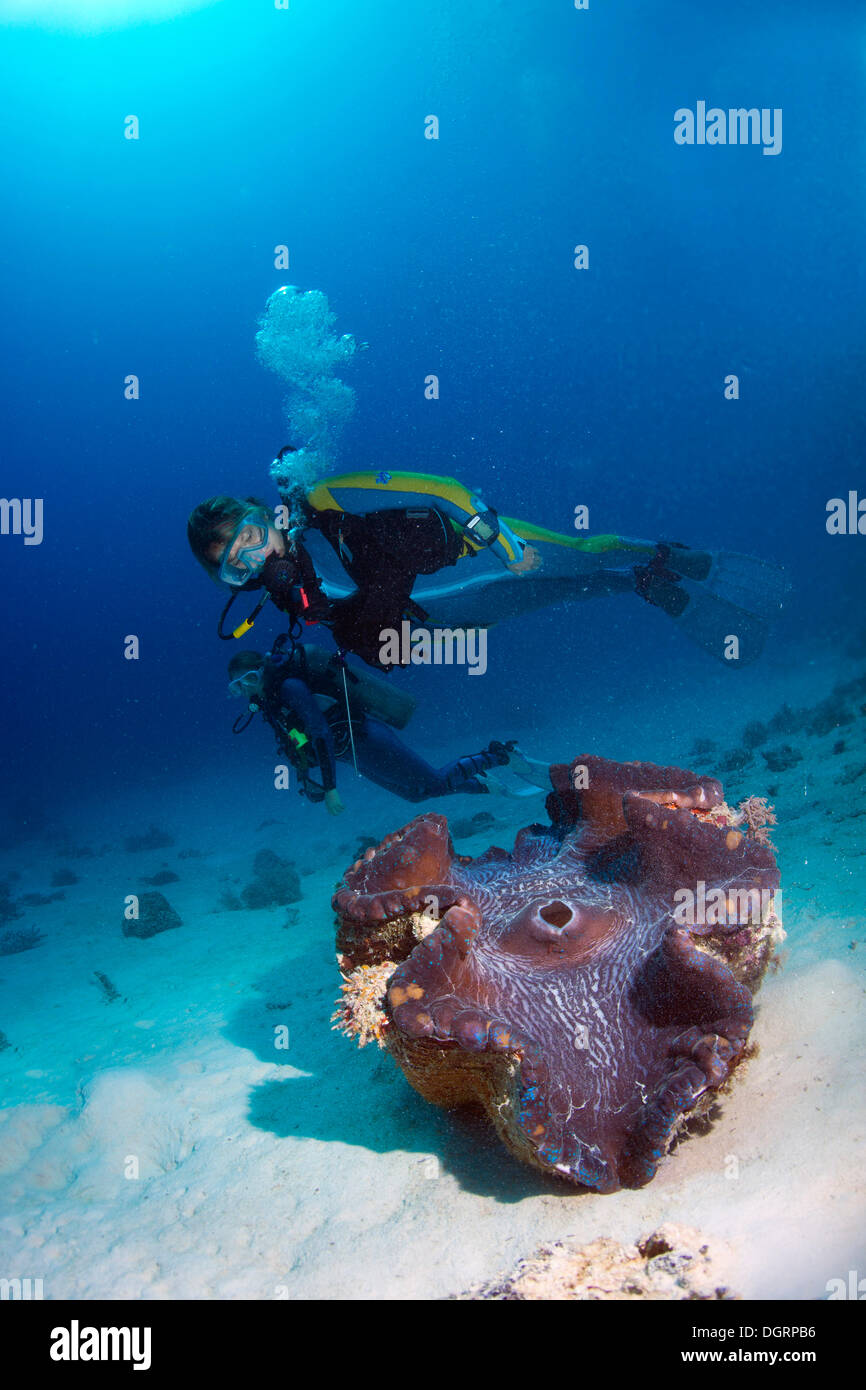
(315,1171)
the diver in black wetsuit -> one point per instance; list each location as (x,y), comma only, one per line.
(302,701)
(398,536)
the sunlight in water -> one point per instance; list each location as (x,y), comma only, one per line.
(95,16)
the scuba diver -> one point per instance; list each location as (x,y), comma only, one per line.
(322,712)
(393,533)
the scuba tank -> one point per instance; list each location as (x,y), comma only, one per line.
(323,673)
(367,694)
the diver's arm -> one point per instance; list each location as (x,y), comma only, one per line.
(364,492)
(296,695)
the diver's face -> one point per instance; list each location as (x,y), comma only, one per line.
(243,553)
(246,686)
(276,541)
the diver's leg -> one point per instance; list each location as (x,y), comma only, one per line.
(386,760)
(481,596)
(722,600)
(572,569)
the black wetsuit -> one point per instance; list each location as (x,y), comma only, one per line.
(382,756)
(383,554)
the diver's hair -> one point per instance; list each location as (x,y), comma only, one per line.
(243,662)
(213,521)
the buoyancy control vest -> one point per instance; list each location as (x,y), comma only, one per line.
(383,553)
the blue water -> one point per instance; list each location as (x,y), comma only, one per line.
(559,387)
(262,127)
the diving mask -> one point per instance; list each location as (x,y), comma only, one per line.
(246,551)
(246,684)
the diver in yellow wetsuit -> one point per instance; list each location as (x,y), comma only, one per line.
(394,533)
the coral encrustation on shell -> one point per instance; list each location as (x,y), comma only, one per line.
(589,989)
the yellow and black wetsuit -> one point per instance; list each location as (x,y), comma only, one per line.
(416,495)
(367,493)
(395,533)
